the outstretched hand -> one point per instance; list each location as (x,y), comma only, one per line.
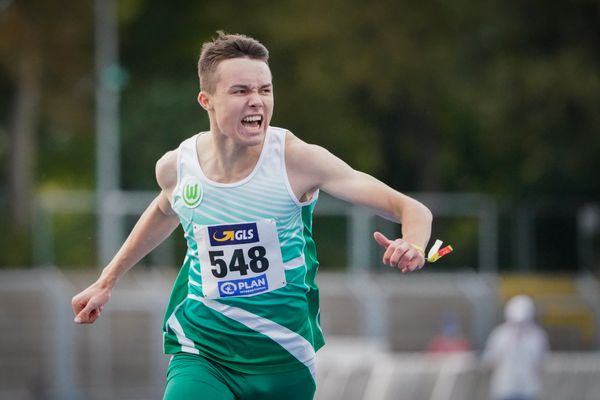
(400,253)
(87,305)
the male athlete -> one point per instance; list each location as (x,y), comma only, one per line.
(243,317)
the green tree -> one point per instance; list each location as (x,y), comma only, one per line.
(47,82)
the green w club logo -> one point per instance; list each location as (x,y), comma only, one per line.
(192,194)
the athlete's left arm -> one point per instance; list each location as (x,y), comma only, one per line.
(316,168)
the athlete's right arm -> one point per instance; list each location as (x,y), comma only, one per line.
(156,224)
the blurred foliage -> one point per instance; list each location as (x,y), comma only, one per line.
(331,239)
(60,33)
(499,97)
(76,244)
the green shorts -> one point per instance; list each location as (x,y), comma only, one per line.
(193,377)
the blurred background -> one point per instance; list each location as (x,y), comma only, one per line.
(488,112)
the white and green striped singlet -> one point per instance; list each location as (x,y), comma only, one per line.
(246,295)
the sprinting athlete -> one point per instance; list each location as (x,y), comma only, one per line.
(243,317)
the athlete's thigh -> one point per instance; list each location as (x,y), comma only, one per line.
(294,385)
(191,377)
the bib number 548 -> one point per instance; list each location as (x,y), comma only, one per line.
(257,262)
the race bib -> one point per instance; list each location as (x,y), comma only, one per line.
(239,260)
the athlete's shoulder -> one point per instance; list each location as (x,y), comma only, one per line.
(296,147)
(300,154)
(166,166)
(166,170)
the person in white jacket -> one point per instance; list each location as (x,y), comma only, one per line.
(515,351)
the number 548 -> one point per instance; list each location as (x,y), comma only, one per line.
(257,262)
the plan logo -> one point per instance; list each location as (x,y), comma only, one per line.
(224,235)
(244,287)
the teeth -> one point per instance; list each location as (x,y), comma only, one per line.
(253,118)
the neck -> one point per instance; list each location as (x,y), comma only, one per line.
(225,161)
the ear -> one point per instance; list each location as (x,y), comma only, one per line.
(204,100)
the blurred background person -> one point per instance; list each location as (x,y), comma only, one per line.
(515,351)
(450,338)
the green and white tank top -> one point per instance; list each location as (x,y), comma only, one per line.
(246,295)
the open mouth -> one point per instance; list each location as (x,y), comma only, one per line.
(252,121)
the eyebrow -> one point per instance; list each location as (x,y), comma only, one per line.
(241,86)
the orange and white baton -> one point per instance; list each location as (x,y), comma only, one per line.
(435,253)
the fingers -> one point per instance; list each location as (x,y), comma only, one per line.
(411,264)
(402,255)
(397,254)
(82,316)
(381,239)
(87,306)
(88,314)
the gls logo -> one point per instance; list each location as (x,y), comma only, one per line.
(224,235)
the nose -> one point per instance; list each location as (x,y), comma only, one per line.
(254,99)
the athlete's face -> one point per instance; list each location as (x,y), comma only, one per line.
(241,106)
